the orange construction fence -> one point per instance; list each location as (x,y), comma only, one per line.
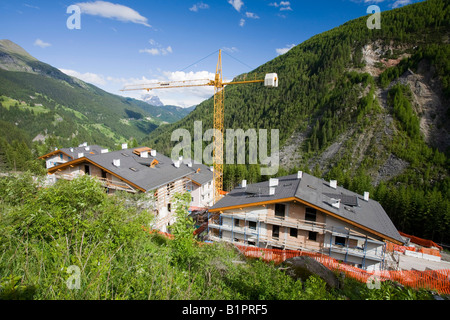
(437,280)
(390,247)
(420,241)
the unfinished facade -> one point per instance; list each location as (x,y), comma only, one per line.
(133,170)
(301,212)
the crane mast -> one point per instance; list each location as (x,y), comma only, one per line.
(270,80)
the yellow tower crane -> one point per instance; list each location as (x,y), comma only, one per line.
(270,80)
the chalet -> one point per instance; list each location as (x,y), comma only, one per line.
(136,170)
(302,212)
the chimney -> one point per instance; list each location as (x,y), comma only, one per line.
(81,155)
(153,153)
(271,191)
(273,182)
(104,151)
(211,168)
(177,164)
(71,149)
(299,174)
(366,196)
(144,154)
(87,148)
(333,184)
(190,164)
(116,162)
(124,146)
(335,202)
(84,144)
(180,159)
(244,184)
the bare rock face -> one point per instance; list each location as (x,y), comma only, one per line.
(303,267)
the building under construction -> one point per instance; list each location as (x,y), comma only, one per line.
(302,212)
(136,170)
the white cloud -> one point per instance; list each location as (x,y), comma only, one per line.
(112,11)
(251,15)
(283,5)
(400,3)
(157,50)
(31,6)
(42,44)
(199,5)
(230,49)
(242,22)
(285,49)
(89,77)
(237,4)
(184,97)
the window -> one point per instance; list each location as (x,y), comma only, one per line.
(86,170)
(339,241)
(279,210)
(275,232)
(103,174)
(310,214)
(312,236)
(252,225)
(169,207)
(251,243)
(236,222)
(293,232)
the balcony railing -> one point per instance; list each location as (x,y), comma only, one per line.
(373,254)
(282,222)
(117,185)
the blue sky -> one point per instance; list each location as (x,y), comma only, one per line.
(129,42)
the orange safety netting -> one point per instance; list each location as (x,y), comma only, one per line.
(438,280)
(165,234)
(420,241)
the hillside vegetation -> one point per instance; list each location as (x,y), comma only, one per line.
(48,236)
(351,105)
(56,110)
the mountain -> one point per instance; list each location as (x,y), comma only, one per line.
(152,100)
(43,101)
(368,107)
(165,113)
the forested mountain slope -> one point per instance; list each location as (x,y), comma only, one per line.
(368,107)
(44,104)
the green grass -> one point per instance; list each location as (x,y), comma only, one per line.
(8,102)
(43,232)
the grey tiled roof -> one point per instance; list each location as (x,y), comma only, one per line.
(137,170)
(316,192)
(73,152)
(203,176)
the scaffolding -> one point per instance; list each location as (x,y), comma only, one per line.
(106,183)
(163,199)
(256,235)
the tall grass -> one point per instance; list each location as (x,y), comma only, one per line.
(45,232)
